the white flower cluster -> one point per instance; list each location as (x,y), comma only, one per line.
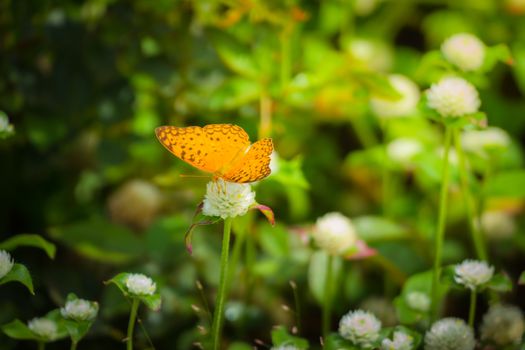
(473,273)
(481,141)
(374,54)
(285,347)
(43,327)
(360,327)
(334,233)
(403,150)
(79,310)
(453,97)
(402,107)
(227,199)
(400,341)
(418,301)
(465,51)
(139,284)
(450,334)
(6,263)
(503,325)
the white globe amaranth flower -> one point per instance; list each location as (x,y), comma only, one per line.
(480,141)
(360,327)
(227,199)
(79,310)
(44,328)
(473,273)
(374,54)
(136,203)
(465,51)
(403,150)
(498,225)
(418,301)
(400,341)
(285,347)
(453,97)
(139,284)
(5,127)
(334,233)
(6,263)
(503,325)
(402,107)
(450,334)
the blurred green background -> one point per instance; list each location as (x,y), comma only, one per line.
(85,83)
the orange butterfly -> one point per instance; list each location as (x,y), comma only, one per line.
(221,149)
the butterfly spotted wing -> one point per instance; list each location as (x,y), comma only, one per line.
(221,149)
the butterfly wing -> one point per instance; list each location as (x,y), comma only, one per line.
(208,148)
(254,165)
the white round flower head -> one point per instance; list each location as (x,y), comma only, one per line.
(43,327)
(479,141)
(400,341)
(498,225)
(285,347)
(503,325)
(418,301)
(79,310)
(374,54)
(274,162)
(450,334)
(360,327)
(402,107)
(139,284)
(403,150)
(473,273)
(465,51)
(6,263)
(453,97)
(227,199)
(334,233)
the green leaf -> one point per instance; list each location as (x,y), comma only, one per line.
(336,342)
(29,240)
(378,85)
(495,54)
(100,240)
(234,93)
(521,280)
(240,346)
(153,301)
(236,55)
(78,329)
(376,228)
(500,283)
(19,273)
(506,184)
(280,337)
(317,274)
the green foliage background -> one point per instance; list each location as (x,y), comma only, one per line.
(86,82)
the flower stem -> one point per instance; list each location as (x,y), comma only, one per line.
(297,306)
(221,295)
(477,238)
(440,232)
(131,324)
(41,345)
(73,345)
(327,303)
(472,309)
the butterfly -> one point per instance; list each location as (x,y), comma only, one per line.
(221,149)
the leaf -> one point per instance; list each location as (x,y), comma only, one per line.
(317,274)
(29,240)
(521,280)
(234,93)
(199,219)
(500,283)
(506,184)
(153,301)
(378,85)
(234,54)
(376,228)
(281,337)
(19,330)
(495,54)
(267,211)
(78,329)
(336,342)
(100,240)
(19,273)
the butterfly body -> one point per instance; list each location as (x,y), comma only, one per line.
(221,149)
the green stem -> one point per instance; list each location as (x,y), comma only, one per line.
(131,324)
(440,232)
(73,345)
(472,310)
(386,174)
(297,306)
(477,238)
(41,345)
(327,303)
(221,295)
